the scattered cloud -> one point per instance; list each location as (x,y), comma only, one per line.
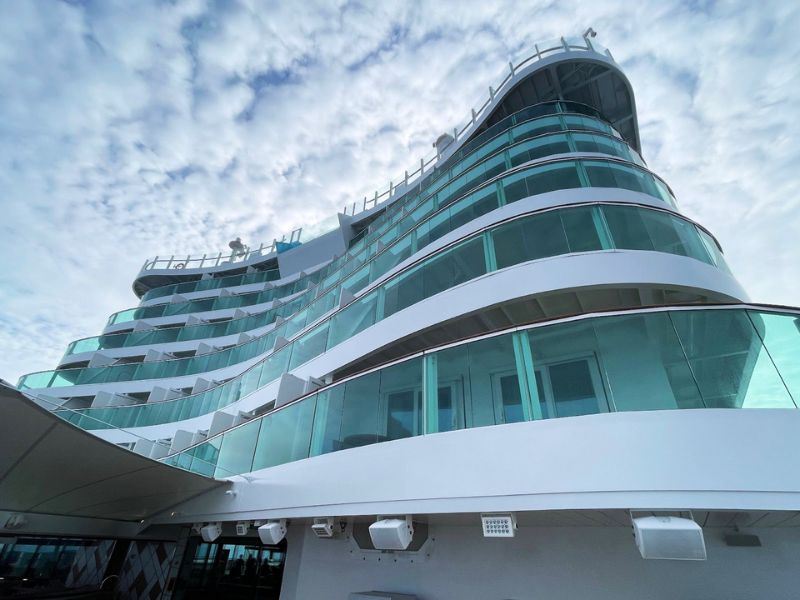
(135,129)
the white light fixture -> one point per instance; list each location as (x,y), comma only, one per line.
(392,534)
(211,532)
(323,527)
(499,524)
(671,538)
(273,532)
(242,527)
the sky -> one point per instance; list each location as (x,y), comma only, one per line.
(135,129)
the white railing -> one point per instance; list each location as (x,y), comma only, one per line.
(245,255)
(400,185)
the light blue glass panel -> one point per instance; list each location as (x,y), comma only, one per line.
(309,345)
(648,346)
(781,336)
(539,180)
(204,457)
(538,148)
(729,362)
(236,452)
(495,395)
(355,318)
(536,127)
(347,415)
(400,413)
(285,435)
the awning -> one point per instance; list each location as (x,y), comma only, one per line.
(50,466)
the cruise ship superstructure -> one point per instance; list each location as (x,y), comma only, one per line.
(479,385)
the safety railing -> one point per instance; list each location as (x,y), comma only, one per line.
(726,357)
(528,237)
(529,128)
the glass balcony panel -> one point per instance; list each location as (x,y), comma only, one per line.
(692,241)
(580,229)
(568,372)
(275,365)
(780,334)
(285,435)
(355,318)
(539,180)
(729,362)
(295,324)
(608,174)
(473,206)
(205,457)
(310,345)
(45,379)
(392,256)
(535,128)
(529,238)
(403,291)
(351,415)
(663,378)
(714,251)
(358,280)
(432,230)
(237,449)
(538,148)
(581,122)
(322,305)
(627,228)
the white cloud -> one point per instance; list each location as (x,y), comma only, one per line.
(135,129)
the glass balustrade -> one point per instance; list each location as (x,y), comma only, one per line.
(214,283)
(338,270)
(528,237)
(728,357)
(533,122)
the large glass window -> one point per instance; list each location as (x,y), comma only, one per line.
(400,413)
(568,370)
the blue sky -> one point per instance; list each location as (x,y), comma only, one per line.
(134,129)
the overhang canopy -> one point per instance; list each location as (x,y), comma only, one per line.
(50,466)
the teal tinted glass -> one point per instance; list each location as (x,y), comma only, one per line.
(285,435)
(494,394)
(730,365)
(348,415)
(569,378)
(780,335)
(663,378)
(400,408)
(236,452)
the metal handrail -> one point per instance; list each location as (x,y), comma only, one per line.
(399,185)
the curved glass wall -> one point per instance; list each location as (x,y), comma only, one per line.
(520,150)
(709,358)
(342,267)
(216,303)
(525,238)
(214,283)
(574,114)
